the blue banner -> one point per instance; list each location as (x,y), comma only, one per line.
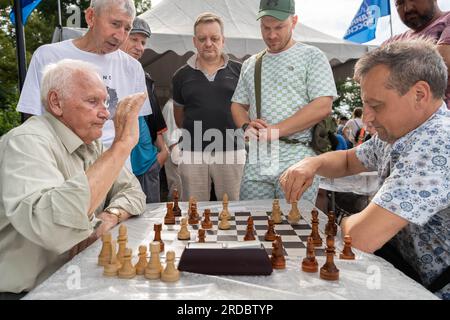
(364,24)
(27,7)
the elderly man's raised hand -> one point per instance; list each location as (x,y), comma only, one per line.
(298,178)
(126,120)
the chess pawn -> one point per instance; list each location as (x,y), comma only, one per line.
(277,259)
(309,264)
(169,218)
(154,267)
(176,207)
(184,233)
(317,240)
(276,212)
(331,227)
(122,240)
(347,252)
(142,263)
(157,228)
(249,235)
(113,266)
(329,271)
(270,234)
(170,273)
(105,254)
(294,215)
(224,224)
(127,271)
(207,223)
(224,212)
(201,235)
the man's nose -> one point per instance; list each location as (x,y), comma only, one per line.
(104,112)
(408,6)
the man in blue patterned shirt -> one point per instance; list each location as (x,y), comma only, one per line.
(402,85)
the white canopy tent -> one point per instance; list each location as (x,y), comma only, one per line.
(172,22)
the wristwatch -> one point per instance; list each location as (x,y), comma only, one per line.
(245,126)
(116,212)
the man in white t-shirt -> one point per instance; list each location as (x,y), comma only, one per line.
(109,24)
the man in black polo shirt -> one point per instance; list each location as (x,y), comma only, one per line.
(212,149)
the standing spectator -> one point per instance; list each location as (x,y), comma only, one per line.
(426,19)
(202,91)
(172,138)
(109,23)
(150,154)
(297,90)
(352,127)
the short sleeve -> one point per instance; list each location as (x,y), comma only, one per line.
(320,81)
(242,92)
(176,86)
(419,182)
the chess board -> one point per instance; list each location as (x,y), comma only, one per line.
(294,236)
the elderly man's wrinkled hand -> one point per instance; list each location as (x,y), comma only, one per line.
(126,119)
(298,178)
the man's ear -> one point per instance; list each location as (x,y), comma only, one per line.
(422,91)
(89,16)
(54,103)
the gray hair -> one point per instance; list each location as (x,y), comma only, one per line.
(209,17)
(409,62)
(60,77)
(125,5)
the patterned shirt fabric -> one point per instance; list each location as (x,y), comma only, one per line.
(439,31)
(44,199)
(289,80)
(414,175)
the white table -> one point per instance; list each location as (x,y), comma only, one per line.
(367,277)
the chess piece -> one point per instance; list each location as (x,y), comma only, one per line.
(347,252)
(329,271)
(154,267)
(193,215)
(276,212)
(294,215)
(122,240)
(270,234)
(127,271)
(277,259)
(113,266)
(309,264)
(331,226)
(184,233)
(317,240)
(142,263)
(105,254)
(224,224)
(169,218)
(157,228)
(170,273)
(201,235)
(224,212)
(176,208)
(191,198)
(207,223)
(249,235)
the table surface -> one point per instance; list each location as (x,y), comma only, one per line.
(367,277)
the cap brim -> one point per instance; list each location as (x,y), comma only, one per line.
(279,15)
(145,32)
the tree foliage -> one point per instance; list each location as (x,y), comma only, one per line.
(38,31)
(349,97)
